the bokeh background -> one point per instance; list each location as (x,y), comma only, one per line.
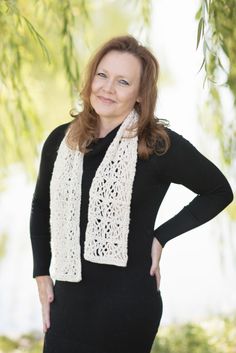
(44,47)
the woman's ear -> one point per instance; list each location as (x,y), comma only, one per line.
(138,100)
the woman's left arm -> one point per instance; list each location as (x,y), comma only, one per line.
(184,164)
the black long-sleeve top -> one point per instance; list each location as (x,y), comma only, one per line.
(181,164)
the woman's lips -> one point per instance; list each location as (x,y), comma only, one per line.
(106,100)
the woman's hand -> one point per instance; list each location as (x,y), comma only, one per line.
(46,296)
(156,256)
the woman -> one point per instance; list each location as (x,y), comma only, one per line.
(101,181)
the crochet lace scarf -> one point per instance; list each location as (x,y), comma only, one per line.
(106,236)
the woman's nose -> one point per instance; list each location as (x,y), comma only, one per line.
(108,86)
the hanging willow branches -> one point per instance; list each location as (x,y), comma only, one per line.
(217,32)
(43,45)
(22,48)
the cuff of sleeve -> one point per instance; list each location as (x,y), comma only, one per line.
(41,256)
(41,272)
(157,236)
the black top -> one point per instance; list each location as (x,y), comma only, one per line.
(181,164)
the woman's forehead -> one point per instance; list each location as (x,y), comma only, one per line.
(120,63)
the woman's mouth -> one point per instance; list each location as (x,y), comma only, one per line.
(106,100)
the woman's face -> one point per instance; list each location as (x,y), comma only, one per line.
(115,86)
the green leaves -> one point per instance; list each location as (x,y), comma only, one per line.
(200,30)
(37,37)
(216,28)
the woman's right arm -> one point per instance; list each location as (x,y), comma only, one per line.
(40,225)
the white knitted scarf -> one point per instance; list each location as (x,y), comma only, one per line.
(106,236)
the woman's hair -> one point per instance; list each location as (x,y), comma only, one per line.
(152,136)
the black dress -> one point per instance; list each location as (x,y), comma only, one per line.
(118,309)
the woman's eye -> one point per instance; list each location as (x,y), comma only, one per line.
(124,82)
(101,74)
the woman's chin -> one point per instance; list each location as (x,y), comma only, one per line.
(104,111)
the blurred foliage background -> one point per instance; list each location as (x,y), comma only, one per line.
(44,46)
(215,335)
(217,31)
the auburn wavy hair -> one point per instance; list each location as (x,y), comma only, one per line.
(152,135)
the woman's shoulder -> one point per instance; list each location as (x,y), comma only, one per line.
(174,135)
(55,137)
(177,141)
(181,149)
(59,131)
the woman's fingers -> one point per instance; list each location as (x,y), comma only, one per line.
(46,316)
(155,270)
(156,256)
(158,278)
(48,299)
(154,267)
(46,296)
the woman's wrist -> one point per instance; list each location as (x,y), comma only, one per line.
(42,278)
